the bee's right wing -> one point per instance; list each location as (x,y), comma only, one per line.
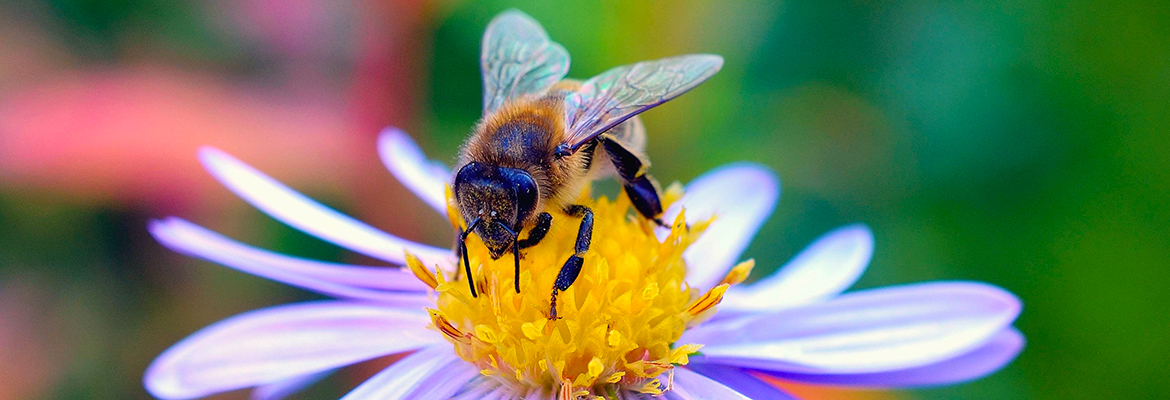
(616,95)
(517,59)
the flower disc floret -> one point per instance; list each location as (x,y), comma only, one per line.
(616,327)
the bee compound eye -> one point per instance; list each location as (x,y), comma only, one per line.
(526,194)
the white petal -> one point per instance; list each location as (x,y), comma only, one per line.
(485,390)
(287,387)
(741,381)
(991,357)
(741,196)
(298,211)
(426,178)
(330,279)
(870,331)
(278,343)
(434,372)
(823,270)
(691,385)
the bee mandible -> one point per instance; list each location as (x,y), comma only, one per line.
(543,137)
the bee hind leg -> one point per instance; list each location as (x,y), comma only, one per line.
(572,267)
(639,186)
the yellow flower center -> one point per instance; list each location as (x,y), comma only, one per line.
(616,326)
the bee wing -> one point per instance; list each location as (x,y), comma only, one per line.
(518,59)
(616,95)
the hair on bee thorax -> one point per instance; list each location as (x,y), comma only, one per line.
(524,135)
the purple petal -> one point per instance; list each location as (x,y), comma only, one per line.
(823,270)
(485,389)
(538,395)
(444,385)
(1001,350)
(434,372)
(278,343)
(425,178)
(741,196)
(876,330)
(741,381)
(330,279)
(298,211)
(287,387)
(691,385)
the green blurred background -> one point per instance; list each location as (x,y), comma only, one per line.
(1020,143)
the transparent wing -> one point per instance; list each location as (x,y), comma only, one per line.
(616,95)
(518,59)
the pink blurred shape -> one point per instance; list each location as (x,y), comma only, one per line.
(132,133)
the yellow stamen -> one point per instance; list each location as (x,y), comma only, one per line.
(452,209)
(708,300)
(447,329)
(651,387)
(420,271)
(617,325)
(739,272)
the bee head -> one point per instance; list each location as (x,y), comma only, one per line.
(500,198)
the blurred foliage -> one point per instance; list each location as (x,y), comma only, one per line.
(1020,143)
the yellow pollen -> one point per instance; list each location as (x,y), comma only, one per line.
(617,325)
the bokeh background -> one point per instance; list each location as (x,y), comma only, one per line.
(1021,143)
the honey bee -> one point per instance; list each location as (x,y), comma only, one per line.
(543,137)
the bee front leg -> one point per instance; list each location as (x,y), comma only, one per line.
(572,266)
(543,223)
(639,186)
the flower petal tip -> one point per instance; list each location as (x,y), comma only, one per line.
(163,382)
(767,181)
(211,156)
(407,162)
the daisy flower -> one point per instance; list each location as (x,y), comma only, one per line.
(656,312)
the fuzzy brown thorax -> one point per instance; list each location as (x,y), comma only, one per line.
(524,135)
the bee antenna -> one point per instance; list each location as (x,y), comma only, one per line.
(463,251)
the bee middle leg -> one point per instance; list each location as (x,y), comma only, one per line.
(543,223)
(572,267)
(639,186)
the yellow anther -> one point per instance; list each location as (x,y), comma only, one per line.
(440,322)
(739,272)
(651,387)
(452,209)
(680,355)
(707,301)
(420,271)
(595,367)
(615,377)
(629,281)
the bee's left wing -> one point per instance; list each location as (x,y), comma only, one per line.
(518,58)
(616,95)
